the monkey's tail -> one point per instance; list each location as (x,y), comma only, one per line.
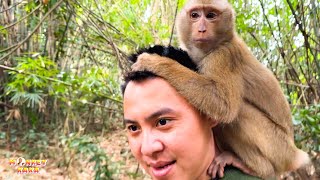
(302,159)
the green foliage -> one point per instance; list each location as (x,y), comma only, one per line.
(308,121)
(35,143)
(30,80)
(85,146)
(2,139)
(30,6)
(35,81)
(3,31)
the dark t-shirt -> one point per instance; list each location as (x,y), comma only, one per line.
(231,173)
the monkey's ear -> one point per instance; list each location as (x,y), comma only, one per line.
(173,53)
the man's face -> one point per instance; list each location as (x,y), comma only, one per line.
(168,137)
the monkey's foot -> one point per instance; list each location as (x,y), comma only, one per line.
(226,158)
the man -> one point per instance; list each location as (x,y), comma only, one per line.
(170,138)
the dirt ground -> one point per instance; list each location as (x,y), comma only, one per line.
(121,162)
(115,145)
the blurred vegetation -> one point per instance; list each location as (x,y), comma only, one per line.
(61,63)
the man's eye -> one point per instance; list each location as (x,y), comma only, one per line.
(194,15)
(163,122)
(132,128)
(211,15)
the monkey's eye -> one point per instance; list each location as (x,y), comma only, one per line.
(194,15)
(211,15)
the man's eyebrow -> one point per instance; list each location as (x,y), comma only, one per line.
(128,121)
(159,113)
(152,116)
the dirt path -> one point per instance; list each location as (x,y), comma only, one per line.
(115,146)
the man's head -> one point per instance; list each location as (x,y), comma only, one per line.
(168,136)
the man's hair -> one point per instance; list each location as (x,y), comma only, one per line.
(173,53)
(137,76)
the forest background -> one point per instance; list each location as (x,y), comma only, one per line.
(61,63)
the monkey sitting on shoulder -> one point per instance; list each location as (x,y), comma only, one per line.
(232,87)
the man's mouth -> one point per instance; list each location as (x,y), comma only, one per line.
(162,169)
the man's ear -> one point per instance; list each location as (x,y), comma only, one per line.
(213,123)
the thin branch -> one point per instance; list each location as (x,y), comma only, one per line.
(174,22)
(295,84)
(24,17)
(270,27)
(294,53)
(34,30)
(307,48)
(64,34)
(4,10)
(101,20)
(113,45)
(53,80)
(100,32)
(99,105)
(256,39)
(304,33)
(27,73)
(8,48)
(6,105)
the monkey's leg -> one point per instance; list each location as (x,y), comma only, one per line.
(260,144)
(217,95)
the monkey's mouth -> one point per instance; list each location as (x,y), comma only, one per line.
(201,40)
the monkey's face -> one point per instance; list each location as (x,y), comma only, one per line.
(168,136)
(205,24)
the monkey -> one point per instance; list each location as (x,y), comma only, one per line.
(232,87)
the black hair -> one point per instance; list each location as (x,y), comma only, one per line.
(137,76)
(173,53)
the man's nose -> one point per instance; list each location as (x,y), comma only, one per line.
(151,144)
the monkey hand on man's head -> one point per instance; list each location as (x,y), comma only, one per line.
(171,52)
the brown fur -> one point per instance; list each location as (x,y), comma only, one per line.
(231,87)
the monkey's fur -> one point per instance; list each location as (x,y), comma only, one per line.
(231,87)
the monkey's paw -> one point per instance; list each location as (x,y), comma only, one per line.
(145,61)
(226,158)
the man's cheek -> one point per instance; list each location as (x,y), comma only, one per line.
(134,147)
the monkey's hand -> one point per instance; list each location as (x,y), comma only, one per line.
(226,158)
(148,62)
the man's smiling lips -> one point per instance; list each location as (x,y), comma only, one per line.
(161,168)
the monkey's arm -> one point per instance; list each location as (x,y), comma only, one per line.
(215,94)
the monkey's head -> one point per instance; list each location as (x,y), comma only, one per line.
(205,24)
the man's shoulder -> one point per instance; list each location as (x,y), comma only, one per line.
(231,173)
